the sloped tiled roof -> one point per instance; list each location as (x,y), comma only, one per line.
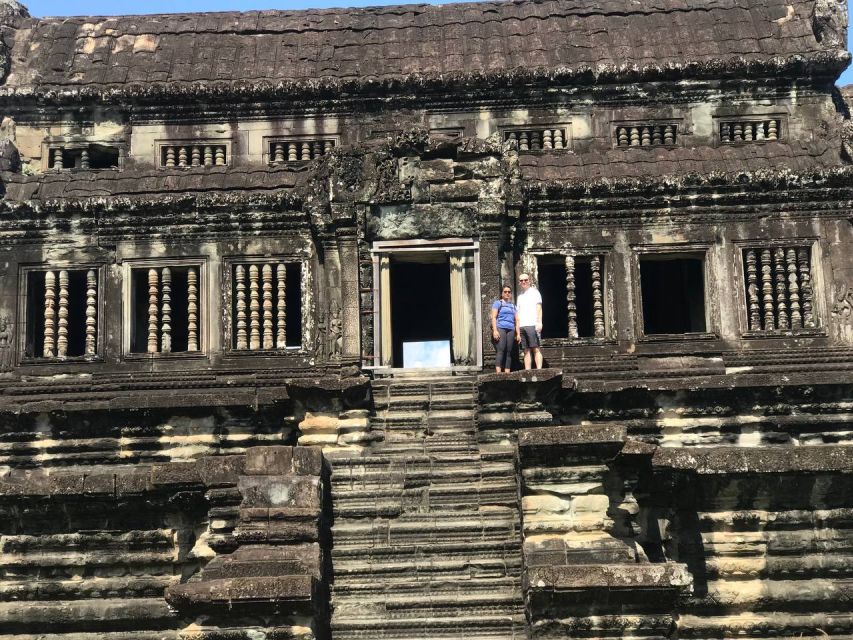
(577,38)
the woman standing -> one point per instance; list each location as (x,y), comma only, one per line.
(503,330)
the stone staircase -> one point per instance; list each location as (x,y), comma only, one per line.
(426,535)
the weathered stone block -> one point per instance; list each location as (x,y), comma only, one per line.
(269,461)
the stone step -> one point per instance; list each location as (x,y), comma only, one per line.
(378,502)
(390,606)
(469,627)
(417,585)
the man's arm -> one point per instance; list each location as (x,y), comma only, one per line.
(539,317)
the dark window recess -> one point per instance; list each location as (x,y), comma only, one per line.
(165,311)
(779,292)
(61,314)
(266,306)
(572,307)
(95,156)
(552,286)
(673,292)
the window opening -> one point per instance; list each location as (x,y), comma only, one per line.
(538,139)
(61,313)
(203,154)
(165,310)
(648,135)
(302,150)
(735,131)
(93,156)
(673,293)
(572,289)
(779,291)
(266,305)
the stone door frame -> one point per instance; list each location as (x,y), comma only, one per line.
(385,249)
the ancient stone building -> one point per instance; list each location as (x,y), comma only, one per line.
(223,236)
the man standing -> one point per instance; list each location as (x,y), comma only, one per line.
(529,321)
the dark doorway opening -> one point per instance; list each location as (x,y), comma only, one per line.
(552,286)
(673,291)
(420,301)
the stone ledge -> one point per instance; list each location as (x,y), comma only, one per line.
(572,436)
(237,591)
(669,576)
(726,460)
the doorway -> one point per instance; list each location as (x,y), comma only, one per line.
(426,305)
(420,307)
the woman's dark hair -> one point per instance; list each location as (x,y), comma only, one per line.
(505,287)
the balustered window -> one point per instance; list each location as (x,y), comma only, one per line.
(197,154)
(737,131)
(539,138)
(779,289)
(646,135)
(62,311)
(572,289)
(672,288)
(266,305)
(87,156)
(298,150)
(166,309)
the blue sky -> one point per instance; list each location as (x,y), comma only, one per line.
(111,7)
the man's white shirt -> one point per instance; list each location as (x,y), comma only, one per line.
(527,313)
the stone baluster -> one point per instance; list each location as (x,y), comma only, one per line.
(240,277)
(327,146)
(748,131)
(153,309)
(767,290)
(195,156)
(62,324)
(635,137)
(597,297)
(657,136)
(182,157)
(58,160)
(669,132)
(316,149)
(760,133)
(170,157)
(523,141)
(49,348)
(793,288)
(254,309)
(780,280)
(806,287)
(305,151)
(219,155)
(571,297)
(208,156)
(278,156)
(622,137)
(91,312)
(84,158)
(559,139)
(547,139)
(512,136)
(725,132)
(535,140)
(737,132)
(192,310)
(281,312)
(166,310)
(291,152)
(645,137)
(773,130)
(266,274)
(752,291)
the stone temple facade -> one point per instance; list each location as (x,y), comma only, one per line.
(223,237)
